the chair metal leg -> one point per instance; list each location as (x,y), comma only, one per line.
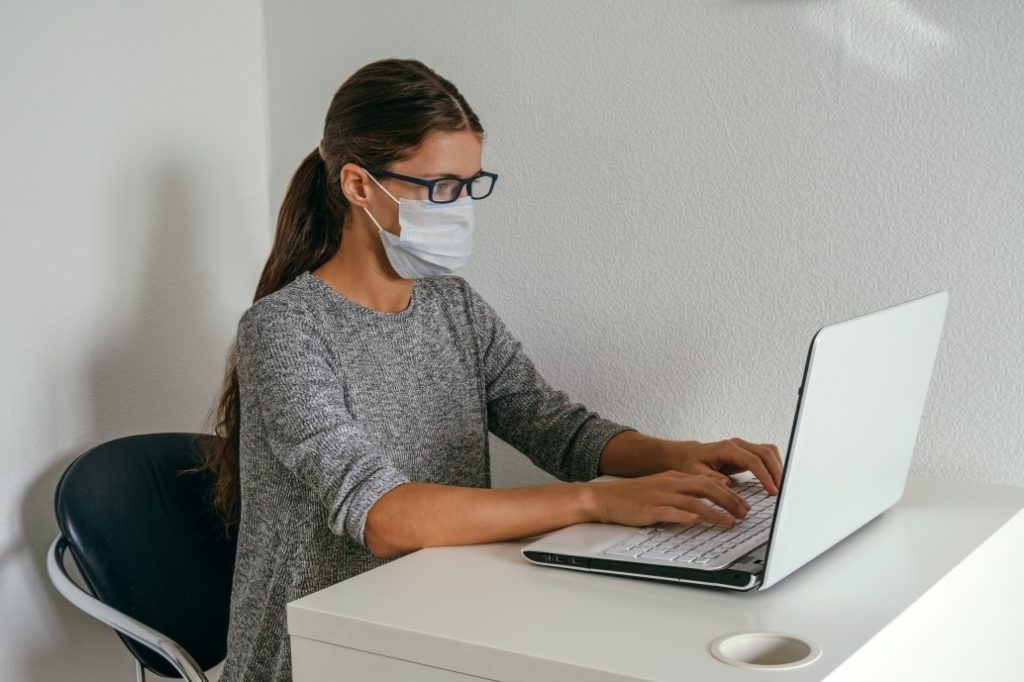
(140,672)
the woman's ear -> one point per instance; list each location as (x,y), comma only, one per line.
(353,184)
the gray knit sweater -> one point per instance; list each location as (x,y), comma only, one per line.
(341,403)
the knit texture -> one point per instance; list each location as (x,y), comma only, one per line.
(341,403)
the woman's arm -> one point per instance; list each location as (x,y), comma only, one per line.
(560,436)
(415,515)
(290,390)
(632,453)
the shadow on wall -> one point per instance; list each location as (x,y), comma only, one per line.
(143,377)
(78,647)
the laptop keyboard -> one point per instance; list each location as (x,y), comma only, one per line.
(705,544)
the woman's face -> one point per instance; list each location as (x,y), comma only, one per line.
(441,154)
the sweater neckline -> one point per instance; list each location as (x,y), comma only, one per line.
(348,303)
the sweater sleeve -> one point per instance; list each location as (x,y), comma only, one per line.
(561,437)
(284,367)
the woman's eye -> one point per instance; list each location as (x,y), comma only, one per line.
(444,188)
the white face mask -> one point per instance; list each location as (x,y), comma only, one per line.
(435,239)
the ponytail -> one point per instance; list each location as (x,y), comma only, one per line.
(308,225)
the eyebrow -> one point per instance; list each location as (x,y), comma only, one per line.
(448,175)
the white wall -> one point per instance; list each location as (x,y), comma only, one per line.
(689,190)
(135,224)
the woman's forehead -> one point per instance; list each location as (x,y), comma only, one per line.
(455,153)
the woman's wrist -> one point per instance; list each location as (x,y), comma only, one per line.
(588,501)
(631,453)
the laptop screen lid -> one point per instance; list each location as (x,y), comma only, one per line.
(855,428)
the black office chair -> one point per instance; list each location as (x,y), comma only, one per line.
(151,548)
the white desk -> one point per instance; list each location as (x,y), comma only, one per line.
(931,589)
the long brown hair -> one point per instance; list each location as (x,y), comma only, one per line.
(378,116)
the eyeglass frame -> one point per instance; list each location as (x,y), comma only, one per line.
(429,184)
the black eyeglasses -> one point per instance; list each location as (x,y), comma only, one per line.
(447,189)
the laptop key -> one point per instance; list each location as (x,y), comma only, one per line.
(634,552)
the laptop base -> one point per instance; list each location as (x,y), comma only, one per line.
(742,575)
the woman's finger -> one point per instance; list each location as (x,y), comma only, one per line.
(752,461)
(706,511)
(670,514)
(722,495)
(776,455)
(711,473)
(767,455)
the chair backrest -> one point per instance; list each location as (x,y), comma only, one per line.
(148,542)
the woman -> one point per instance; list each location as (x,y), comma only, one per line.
(366,377)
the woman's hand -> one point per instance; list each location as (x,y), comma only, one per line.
(670,477)
(669,496)
(722,458)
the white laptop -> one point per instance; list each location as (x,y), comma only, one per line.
(857,416)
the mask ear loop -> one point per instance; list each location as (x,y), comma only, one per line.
(386,192)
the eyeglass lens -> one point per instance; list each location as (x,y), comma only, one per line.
(447,189)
